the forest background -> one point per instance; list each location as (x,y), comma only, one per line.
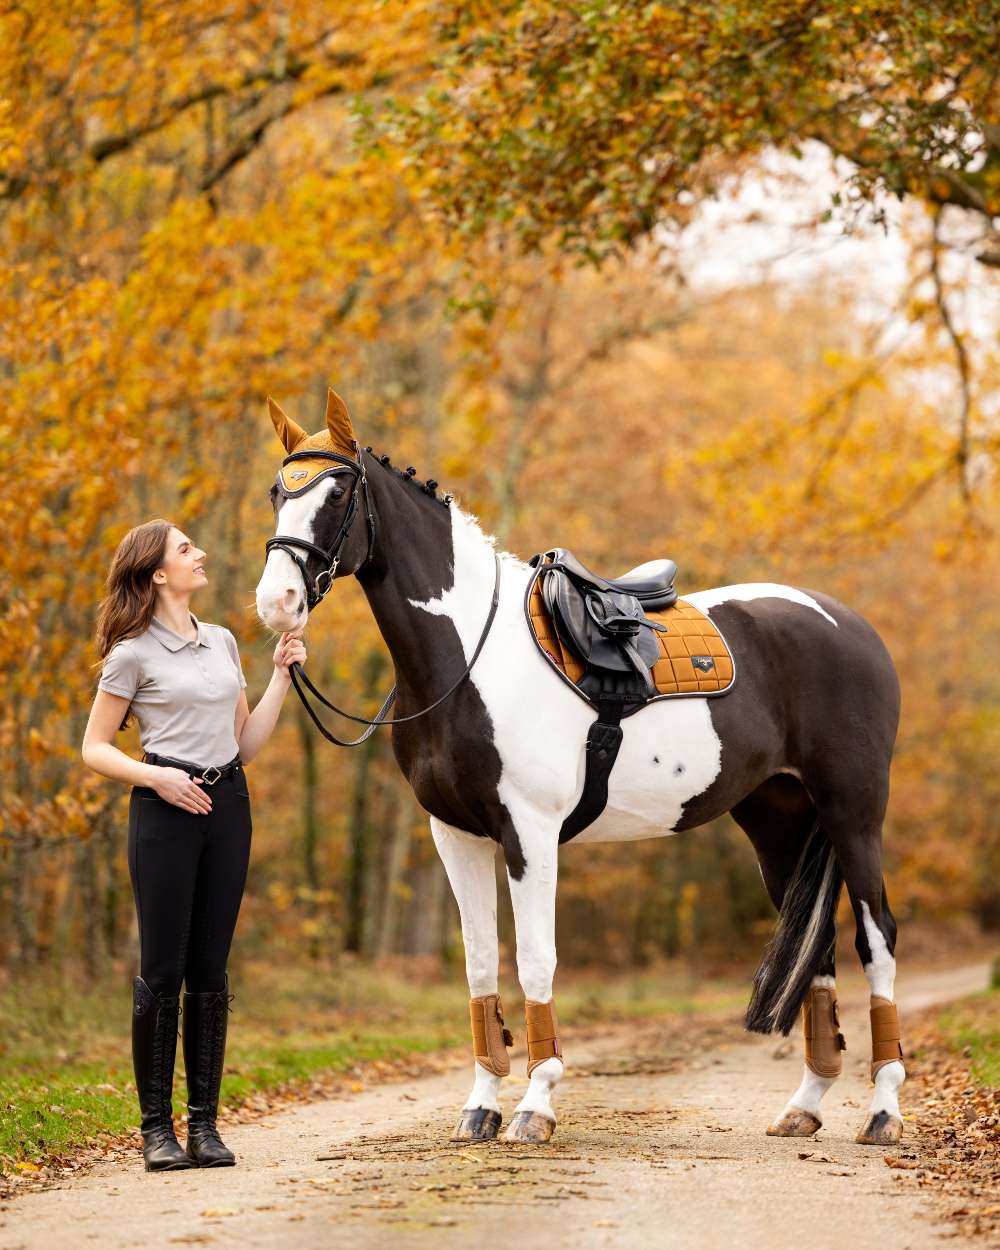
(712,282)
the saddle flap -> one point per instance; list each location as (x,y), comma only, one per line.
(607,629)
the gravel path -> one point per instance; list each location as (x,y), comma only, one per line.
(660,1144)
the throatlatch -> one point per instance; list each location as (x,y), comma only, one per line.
(543,1039)
(490,1037)
(821,1030)
(886,1045)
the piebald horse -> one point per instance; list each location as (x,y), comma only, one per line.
(798,751)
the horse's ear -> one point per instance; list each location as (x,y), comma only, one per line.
(338,422)
(289,433)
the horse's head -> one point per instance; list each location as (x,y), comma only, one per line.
(324,525)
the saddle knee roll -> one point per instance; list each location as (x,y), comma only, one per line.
(886,1045)
(490,1038)
(824,1041)
(543,1039)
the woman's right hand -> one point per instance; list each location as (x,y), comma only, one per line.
(175,786)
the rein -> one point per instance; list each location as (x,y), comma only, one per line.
(315,595)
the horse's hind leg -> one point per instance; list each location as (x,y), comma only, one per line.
(777,818)
(876,943)
(469,863)
(852,815)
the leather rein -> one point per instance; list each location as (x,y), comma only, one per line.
(317,589)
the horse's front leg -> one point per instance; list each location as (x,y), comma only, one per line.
(533,895)
(469,863)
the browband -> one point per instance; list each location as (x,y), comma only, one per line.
(307,479)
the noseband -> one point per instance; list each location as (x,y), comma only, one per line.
(317,588)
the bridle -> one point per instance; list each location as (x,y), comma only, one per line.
(317,589)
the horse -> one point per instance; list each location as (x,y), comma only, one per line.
(492,743)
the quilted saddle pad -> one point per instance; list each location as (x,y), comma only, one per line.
(694,657)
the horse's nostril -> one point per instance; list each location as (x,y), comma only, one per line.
(302,604)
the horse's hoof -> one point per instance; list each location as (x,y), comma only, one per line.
(529,1126)
(882,1129)
(794,1123)
(477,1124)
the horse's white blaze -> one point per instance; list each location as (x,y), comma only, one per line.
(297,519)
(705,599)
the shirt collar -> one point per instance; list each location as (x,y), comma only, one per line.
(173,642)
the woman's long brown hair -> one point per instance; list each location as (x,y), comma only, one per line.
(130,596)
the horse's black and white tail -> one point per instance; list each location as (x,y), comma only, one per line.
(803,938)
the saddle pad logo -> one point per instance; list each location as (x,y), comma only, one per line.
(704,663)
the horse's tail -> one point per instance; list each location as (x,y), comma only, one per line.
(803,938)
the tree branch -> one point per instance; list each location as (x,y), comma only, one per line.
(961,356)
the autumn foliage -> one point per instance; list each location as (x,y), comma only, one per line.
(201,206)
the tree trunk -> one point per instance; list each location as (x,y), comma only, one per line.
(395,887)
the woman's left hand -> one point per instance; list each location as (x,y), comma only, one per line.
(290,650)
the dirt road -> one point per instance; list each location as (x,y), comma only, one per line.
(660,1144)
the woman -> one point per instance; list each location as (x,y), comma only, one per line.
(189,817)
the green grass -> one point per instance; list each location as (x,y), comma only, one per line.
(65,1063)
(972,1027)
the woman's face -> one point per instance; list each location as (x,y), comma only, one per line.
(182,570)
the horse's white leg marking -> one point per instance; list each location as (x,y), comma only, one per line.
(881,974)
(812,1088)
(534,903)
(469,863)
(809,1093)
(801,1116)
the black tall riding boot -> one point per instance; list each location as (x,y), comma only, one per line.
(205,1025)
(154,1048)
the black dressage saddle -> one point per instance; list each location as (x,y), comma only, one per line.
(603,620)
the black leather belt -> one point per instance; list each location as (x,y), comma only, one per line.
(209,775)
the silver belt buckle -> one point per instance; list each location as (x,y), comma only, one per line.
(210,781)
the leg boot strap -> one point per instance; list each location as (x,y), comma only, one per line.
(821,1029)
(886,1047)
(543,1040)
(490,1038)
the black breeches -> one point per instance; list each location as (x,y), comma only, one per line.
(188,873)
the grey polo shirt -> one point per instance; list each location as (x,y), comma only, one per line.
(183,694)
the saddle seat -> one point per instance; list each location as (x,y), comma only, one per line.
(651,583)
